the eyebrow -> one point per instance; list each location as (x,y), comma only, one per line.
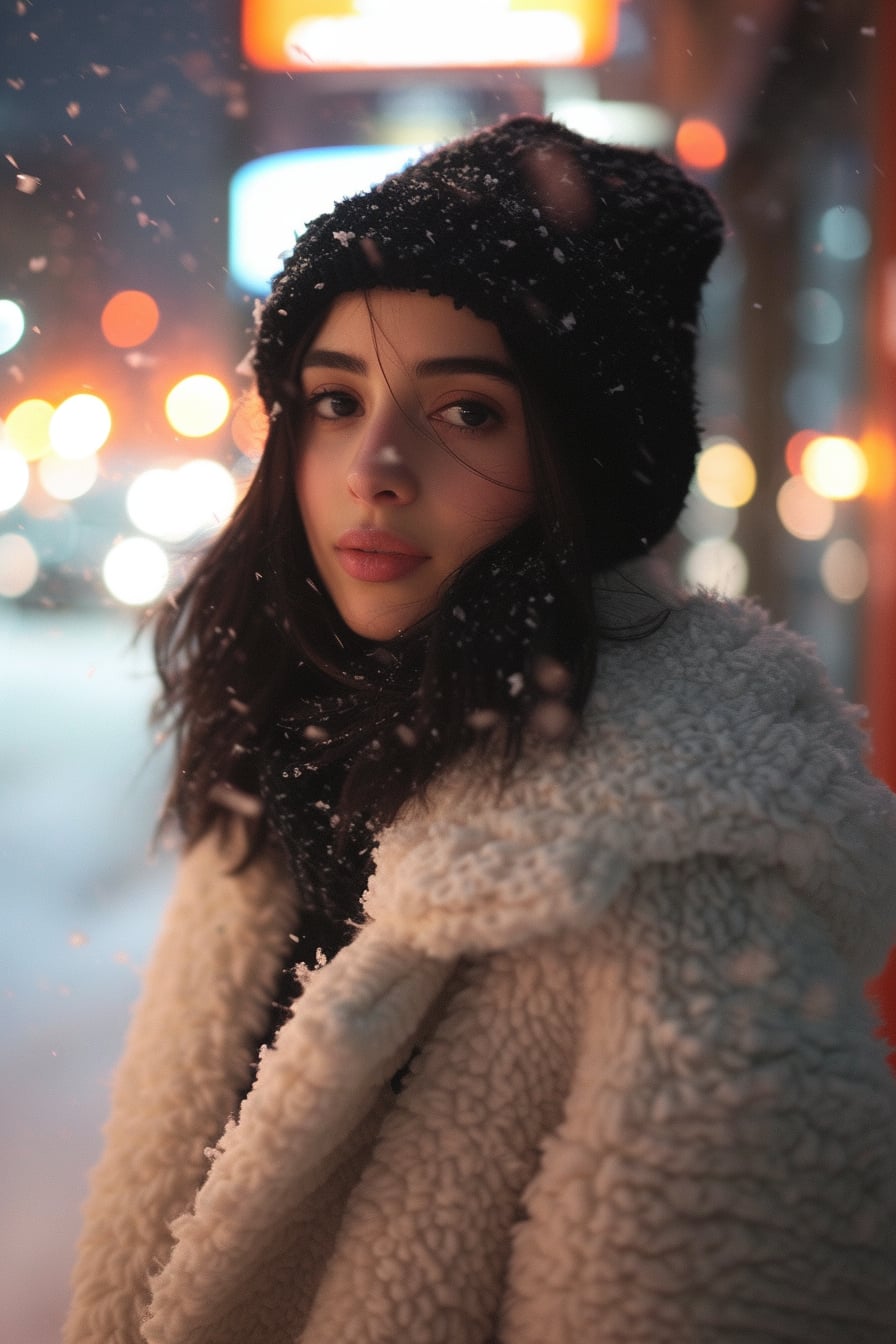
(490,368)
(333,359)
(319,358)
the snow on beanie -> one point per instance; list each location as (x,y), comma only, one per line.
(589,258)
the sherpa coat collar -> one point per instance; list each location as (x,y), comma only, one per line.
(720,734)
(718,740)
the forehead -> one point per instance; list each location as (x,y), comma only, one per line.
(408,323)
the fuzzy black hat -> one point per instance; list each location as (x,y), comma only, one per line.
(589,258)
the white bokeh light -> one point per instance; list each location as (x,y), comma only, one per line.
(845,232)
(13,478)
(835,466)
(804,513)
(624,123)
(211,490)
(174,504)
(12,325)
(718,565)
(155,505)
(844,570)
(135,571)
(818,316)
(80,426)
(19,565)
(66,478)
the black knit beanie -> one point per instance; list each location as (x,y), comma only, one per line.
(589,258)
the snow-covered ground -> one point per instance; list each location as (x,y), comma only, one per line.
(80,790)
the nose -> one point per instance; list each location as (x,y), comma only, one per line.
(380,472)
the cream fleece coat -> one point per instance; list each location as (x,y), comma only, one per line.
(648,1105)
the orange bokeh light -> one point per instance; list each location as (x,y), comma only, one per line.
(880,454)
(700,144)
(129,318)
(249,426)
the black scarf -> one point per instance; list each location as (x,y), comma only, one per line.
(303,763)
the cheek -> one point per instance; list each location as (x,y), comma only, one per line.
(308,492)
(504,493)
(507,499)
(478,512)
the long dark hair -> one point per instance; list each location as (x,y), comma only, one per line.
(252,638)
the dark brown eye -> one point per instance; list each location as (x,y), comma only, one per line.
(333,405)
(468,415)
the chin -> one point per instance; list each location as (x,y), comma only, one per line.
(379,628)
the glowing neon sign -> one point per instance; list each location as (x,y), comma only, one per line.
(273,198)
(426,34)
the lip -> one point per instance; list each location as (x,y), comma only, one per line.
(373,539)
(375,556)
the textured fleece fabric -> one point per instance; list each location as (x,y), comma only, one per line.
(648,1105)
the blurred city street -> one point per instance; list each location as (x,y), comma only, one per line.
(82,894)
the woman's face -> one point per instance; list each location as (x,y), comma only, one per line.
(413,452)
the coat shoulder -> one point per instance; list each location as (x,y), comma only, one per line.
(719,734)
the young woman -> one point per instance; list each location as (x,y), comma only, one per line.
(512,988)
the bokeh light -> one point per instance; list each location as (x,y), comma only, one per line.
(65,478)
(613,121)
(726,473)
(19,565)
(174,504)
(818,316)
(844,570)
(135,571)
(880,454)
(211,490)
(269,194)
(28,427)
(154,505)
(129,318)
(835,466)
(249,426)
(700,144)
(803,513)
(796,446)
(80,426)
(12,325)
(197,405)
(718,565)
(812,397)
(420,34)
(13,478)
(845,232)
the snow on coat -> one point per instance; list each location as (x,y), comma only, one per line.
(647,1103)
